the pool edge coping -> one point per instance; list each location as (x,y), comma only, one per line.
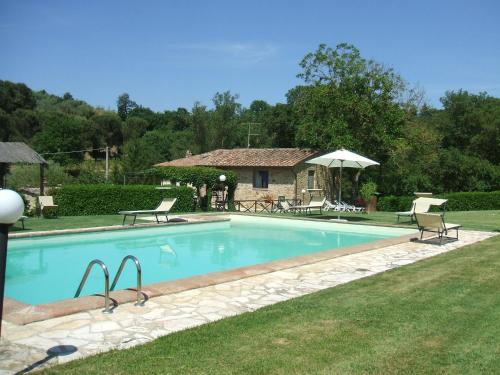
(21,313)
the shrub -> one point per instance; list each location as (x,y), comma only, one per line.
(79,200)
(367,190)
(463,201)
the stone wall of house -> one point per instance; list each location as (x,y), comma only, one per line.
(281,182)
(321,181)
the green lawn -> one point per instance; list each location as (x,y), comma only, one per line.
(474,220)
(477,220)
(440,315)
(69,222)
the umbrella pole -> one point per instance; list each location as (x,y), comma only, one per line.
(340,187)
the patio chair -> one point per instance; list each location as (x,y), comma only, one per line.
(315,203)
(421,205)
(47,206)
(163,209)
(435,223)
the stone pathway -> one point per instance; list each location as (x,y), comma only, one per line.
(93,332)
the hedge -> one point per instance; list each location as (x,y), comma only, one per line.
(464,201)
(79,200)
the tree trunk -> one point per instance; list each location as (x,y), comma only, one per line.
(355,185)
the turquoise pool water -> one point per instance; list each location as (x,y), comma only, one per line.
(47,269)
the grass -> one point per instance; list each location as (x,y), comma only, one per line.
(440,315)
(69,222)
(475,220)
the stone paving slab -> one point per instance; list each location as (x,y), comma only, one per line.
(92,332)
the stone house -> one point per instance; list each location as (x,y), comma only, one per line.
(264,173)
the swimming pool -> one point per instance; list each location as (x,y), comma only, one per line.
(46,269)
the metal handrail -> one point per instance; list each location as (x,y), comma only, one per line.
(107,309)
(139,278)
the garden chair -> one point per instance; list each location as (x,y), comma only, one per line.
(47,206)
(163,209)
(421,205)
(434,223)
(314,204)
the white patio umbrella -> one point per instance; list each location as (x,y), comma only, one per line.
(342,159)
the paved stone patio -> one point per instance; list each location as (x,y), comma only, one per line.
(92,332)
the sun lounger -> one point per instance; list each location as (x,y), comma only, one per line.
(163,209)
(434,223)
(47,206)
(314,204)
(421,205)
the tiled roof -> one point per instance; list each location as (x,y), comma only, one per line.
(245,157)
(19,152)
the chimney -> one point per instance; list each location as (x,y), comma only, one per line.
(188,154)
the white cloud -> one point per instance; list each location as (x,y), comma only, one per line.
(244,52)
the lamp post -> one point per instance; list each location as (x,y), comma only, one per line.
(11,209)
(303,193)
(222,179)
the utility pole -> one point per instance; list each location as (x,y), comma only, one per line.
(250,134)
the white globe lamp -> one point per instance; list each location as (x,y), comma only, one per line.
(11,209)
(222,178)
(11,206)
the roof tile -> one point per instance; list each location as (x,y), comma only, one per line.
(245,157)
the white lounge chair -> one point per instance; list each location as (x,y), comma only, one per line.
(47,205)
(315,204)
(163,209)
(421,205)
(434,223)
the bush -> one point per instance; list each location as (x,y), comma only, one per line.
(463,201)
(80,200)
(367,190)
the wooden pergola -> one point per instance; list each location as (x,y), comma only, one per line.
(20,153)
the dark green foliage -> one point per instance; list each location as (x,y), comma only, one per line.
(198,177)
(138,155)
(61,133)
(65,104)
(473,201)
(16,96)
(108,130)
(124,105)
(109,199)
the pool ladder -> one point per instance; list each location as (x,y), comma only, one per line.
(107,309)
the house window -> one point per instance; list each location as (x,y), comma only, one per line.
(261,179)
(310,179)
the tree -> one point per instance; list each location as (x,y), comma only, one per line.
(225,133)
(471,124)
(108,130)
(125,105)
(200,119)
(133,128)
(347,102)
(16,95)
(138,155)
(62,133)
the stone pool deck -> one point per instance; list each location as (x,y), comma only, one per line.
(91,332)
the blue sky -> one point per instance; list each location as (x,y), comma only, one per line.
(169,54)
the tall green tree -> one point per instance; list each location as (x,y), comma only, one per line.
(63,133)
(124,105)
(200,121)
(348,101)
(224,124)
(133,128)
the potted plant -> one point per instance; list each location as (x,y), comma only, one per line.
(368,193)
